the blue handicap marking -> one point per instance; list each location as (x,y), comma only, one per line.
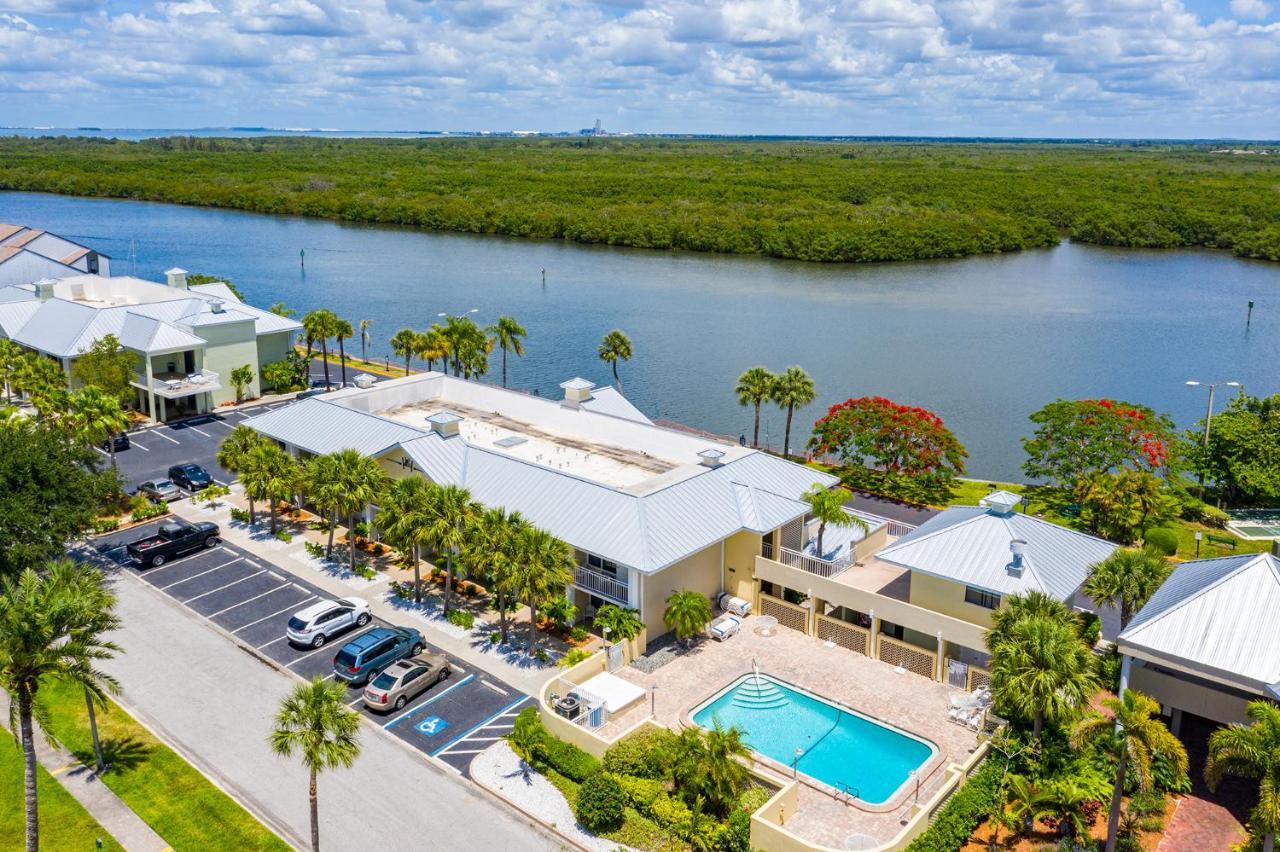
(431,726)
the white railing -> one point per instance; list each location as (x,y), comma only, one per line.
(812,564)
(178,384)
(597,582)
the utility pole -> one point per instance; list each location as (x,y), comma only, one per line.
(302,258)
(1249,319)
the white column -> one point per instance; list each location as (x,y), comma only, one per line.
(1125,662)
(942,659)
(875,636)
(151,394)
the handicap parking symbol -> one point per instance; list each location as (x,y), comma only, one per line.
(431,726)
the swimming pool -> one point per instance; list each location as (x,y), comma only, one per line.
(842,749)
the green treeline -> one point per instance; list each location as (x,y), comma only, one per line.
(806,201)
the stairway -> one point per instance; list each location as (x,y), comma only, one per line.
(757,693)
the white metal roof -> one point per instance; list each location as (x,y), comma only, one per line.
(1217,617)
(971,545)
(609,401)
(323,427)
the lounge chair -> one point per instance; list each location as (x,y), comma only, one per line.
(725,627)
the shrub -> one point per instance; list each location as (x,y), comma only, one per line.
(600,804)
(314,550)
(364,571)
(495,638)
(461,618)
(1090,628)
(284,535)
(575,656)
(240,515)
(569,760)
(1201,512)
(106,525)
(640,792)
(669,812)
(579,634)
(145,510)
(957,819)
(644,754)
(735,836)
(1161,540)
(542,656)
(403,591)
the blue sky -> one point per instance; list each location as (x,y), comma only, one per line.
(1135,68)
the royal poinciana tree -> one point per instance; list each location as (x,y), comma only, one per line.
(900,443)
(1077,438)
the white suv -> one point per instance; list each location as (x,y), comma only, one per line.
(321,621)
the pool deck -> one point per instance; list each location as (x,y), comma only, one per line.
(905,701)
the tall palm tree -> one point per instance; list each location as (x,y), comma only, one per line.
(827,505)
(615,347)
(315,723)
(42,381)
(10,353)
(342,330)
(433,345)
(403,515)
(365,339)
(754,387)
(323,485)
(793,389)
(1127,579)
(545,567)
(95,417)
(233,452)
(404,343)
(1042,670)
(1015,608)
(724,775)
(269,474)
(52,625)
(1134,736)
(509,334)
(363,481)
(687,613)
(320,325)
(453,511)
(617,624)
(494,549)
(1252,752)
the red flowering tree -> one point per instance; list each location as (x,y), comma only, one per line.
(1076,439)
(902,443)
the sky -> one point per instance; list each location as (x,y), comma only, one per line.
(1072,68)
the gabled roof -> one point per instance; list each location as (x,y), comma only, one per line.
(322,427)
(150,335)
(971,545)
(609,401)
(1219,617)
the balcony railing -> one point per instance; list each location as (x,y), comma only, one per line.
(600,583)
(812,564)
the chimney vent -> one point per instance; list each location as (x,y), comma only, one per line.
(1018,549)
(1001,502)
(710,457)
(445,423)
(176,278)
(44,289)
(576,391)
(217,306)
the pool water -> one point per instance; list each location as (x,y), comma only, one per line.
(841,749)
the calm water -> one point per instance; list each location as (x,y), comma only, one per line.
(837,748)
(983,341)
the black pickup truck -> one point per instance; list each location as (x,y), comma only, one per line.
(174,539)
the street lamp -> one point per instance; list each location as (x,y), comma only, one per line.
(1208,418)
(459,316)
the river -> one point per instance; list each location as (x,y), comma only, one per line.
(983,341)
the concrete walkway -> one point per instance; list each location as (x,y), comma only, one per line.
(82,783)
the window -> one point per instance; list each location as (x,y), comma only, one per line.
(981,597)
(603,565)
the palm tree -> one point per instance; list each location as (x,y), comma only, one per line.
(269,474)
(342,330)
(280,309)
(545,566)
(793,389)
(617,624)
(323,485)
(404,343)
(233,452)
(1042,669)
(432,345)
(315,723)
(1015,608)
(1252,752)
(724,776)
(1065,800)
(1134,736)
(509,335)
(95,417)
(10,353)
(403,515)
(1026,799)
(365,339)
(363,481)
(1127,579)
(51,627)
(687,613)
(615,347)
(42,381)
(494,549)
(320,325)
(827,505)
(452,512)
(754,387)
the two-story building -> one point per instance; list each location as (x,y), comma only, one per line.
(187,339)
(28,254)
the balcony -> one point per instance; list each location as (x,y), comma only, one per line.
(601,584)
(177,385)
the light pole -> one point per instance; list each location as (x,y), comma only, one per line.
(1208,421)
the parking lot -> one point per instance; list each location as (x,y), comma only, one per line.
(252,600)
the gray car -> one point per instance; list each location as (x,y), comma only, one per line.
(401,682)
(159,490)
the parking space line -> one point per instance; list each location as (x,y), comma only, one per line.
(158,433)
(199,432)
(99,449)
(272,642)
(139,446)
(193,576)
(494,687)
(250,600)
(356,700)
(277,612)
(465,751)
(221,423)
(411,711)
(461,737)
(220,588)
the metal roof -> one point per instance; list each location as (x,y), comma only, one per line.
(150,335)
(323,427)
(609,401)
(971,545)
(1218,617)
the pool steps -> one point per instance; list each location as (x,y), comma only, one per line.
(759,694)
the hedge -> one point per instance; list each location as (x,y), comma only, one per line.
(955,823)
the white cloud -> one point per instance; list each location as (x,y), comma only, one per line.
(1254,10)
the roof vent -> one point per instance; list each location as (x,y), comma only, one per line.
(44,289)
(176,278)
(1001,502)
(1018,548)
(576,391)
(445,423)
(217,306)
(710,457)
(364,381)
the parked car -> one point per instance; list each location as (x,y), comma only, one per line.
(121,440)
(190,476)
(369,653)
(159,490)
(403,681)
(321,621)
(173,540)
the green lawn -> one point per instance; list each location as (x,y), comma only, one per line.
(169,794)
(64,824)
